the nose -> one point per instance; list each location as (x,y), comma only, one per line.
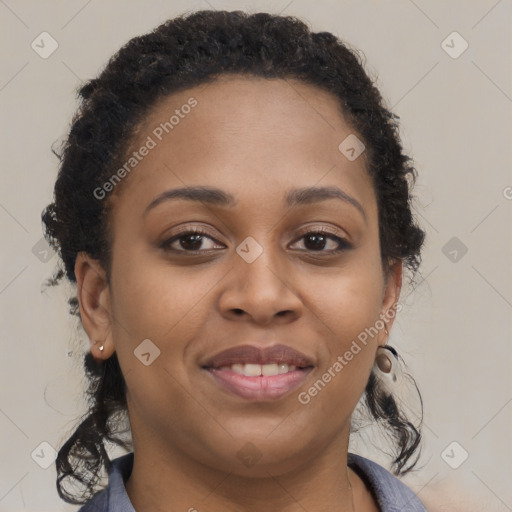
(260,292)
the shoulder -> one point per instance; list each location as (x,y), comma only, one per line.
(391,494)
(113,498)
(98,503)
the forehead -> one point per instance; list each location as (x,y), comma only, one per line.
(251,136)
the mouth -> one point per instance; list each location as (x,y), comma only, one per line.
(259,374)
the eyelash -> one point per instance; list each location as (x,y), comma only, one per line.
(344,245)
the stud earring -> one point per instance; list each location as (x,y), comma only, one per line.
(386,368)
(101,347)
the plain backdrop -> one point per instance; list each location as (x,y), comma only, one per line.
(454,332)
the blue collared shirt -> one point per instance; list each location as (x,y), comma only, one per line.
(390,493)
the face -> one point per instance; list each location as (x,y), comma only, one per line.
(274,263)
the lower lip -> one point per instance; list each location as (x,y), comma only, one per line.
(260,387)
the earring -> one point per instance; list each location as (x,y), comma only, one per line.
(100,348)
(386,368)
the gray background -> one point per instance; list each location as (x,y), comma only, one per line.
(455,329)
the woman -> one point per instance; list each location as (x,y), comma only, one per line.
(233,203)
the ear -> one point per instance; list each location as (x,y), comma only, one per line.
(390,296)
(93,293)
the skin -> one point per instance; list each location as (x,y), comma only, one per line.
(256,139)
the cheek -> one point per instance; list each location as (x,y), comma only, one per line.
(148,295)
(154,300)
(348,300)
(348,305)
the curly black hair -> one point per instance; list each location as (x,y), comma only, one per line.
(188,50)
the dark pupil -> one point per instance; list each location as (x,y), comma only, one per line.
(318,241)
(196,242)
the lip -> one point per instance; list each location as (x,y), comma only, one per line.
(259,388)
(262,388)
(258,355)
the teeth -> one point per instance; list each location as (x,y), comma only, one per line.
(270,369)
(255,370)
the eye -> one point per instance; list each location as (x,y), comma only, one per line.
(317,240)
(190,240)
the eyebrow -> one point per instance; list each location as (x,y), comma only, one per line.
(209,195)
(300,196)
(217,197)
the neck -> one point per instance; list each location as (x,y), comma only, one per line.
(166,477)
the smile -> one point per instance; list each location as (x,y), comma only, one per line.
(252,382)
(255,370)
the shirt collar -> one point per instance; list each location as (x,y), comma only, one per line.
(391,494)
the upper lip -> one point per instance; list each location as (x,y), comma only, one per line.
(243,354)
